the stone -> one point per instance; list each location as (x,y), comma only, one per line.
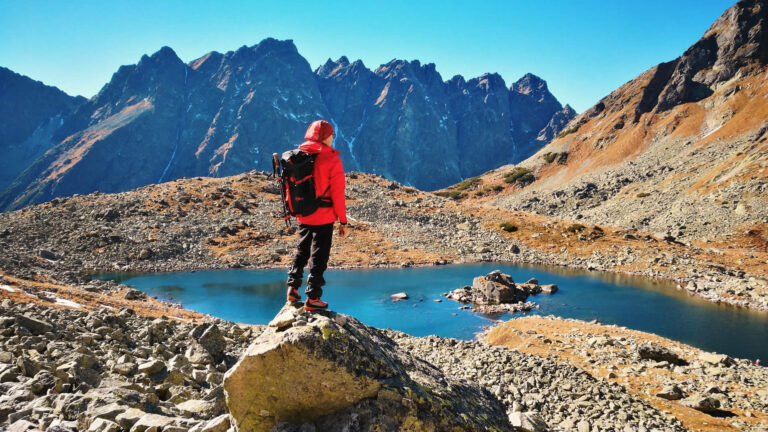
(126,369)
(103,425)
(399,296)
(197,408)
(109,411)
(133,294)
(128,418)
(218,424)
(36,326)
(213,341)
(48,255)
(672,392)
(353,362)
(548,289)
(197,355)
(284,318)
(653,351)
(496,288)
(705,404)
(715,359)
(152,422)
(86,376)
(527,422)
(151,367)
(27,366)
(21,426)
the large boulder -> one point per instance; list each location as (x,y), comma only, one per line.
(332,371)
(496,288)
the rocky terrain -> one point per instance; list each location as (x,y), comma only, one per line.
(213,223)
(681,151)
(539,393)
(112,369)
(224,114)
(677,379)
(497,293)
(103,369)
(201,223)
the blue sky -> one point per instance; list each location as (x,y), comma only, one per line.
(584,49)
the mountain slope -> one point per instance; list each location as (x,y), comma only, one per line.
(680,150)
(223,114)
(30,113)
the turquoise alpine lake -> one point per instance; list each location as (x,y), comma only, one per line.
(254,296)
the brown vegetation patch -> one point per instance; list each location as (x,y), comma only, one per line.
(44,293)
(555,337)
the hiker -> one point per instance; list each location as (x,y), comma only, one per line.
(316,229)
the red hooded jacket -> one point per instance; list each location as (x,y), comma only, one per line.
(329,178)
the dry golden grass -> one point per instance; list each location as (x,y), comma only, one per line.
(521,334)
(148,307)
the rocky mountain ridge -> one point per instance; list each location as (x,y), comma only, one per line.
(30,112)
(224,114)
(680,151)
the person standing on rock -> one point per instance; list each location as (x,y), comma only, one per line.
(316,229)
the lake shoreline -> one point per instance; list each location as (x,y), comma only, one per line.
(708,295)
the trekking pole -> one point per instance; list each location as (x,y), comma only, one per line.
(275,165)
(278,177)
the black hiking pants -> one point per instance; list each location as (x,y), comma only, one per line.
(314,243)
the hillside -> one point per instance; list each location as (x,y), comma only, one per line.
(224,114)
(680,151)
(199,223)
(51,249)
(30,112)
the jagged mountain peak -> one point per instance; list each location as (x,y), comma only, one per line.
(207,63)
(227,113)
(341,67)
(742,31)
(399,69)
(343,61)
(489,81)
(735,43)
(330,66)
(529,83)
(163,57)
(457,81)
(275,46)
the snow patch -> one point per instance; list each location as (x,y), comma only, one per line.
(712,131)
(7,288)
(442,122)
(68,303)
(63,302)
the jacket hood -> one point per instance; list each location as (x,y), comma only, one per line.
(315,147)
(318,130)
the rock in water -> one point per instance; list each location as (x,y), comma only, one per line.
(333,371)
(496,288)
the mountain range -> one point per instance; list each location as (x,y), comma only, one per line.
(681,150)
(223,114)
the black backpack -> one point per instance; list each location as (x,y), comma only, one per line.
(298,184)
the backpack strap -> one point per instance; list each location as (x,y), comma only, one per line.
(324,201)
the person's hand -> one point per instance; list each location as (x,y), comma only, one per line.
(342,230)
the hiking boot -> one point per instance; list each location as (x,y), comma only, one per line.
(293,295)
(315,304)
